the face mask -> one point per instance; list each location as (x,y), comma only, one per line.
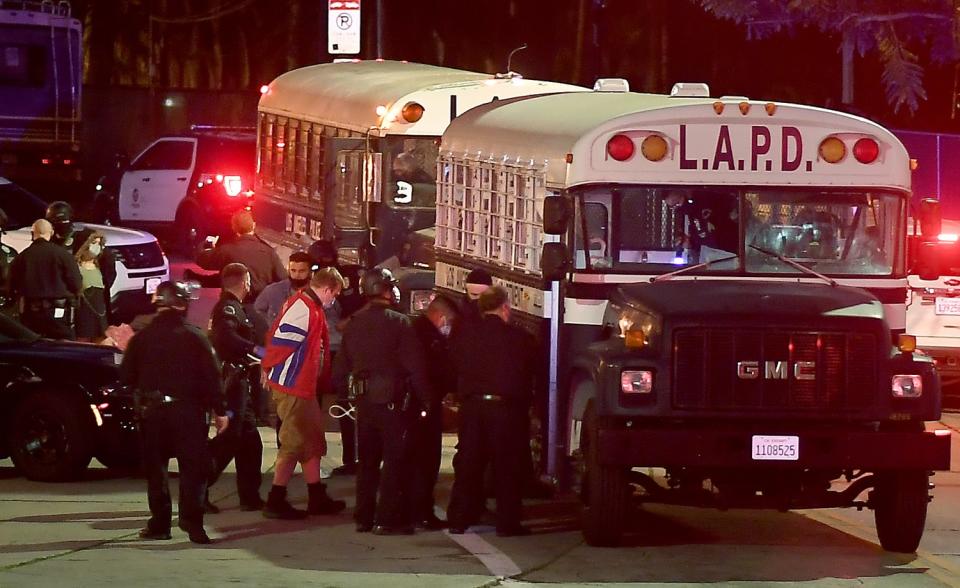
(445,330)
(329,304)
(299,282)
(96,249)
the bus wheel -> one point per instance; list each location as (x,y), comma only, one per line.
(605,489)
(899,502)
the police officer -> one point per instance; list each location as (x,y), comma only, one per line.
(381,355)
(65,233)
(433,329)
(174,373)
(232,335)
(46,279)
(495,362)
(247,248)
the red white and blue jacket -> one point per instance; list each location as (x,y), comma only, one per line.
(298,348)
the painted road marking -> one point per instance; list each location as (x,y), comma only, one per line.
(938,568)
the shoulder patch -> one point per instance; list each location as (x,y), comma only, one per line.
(229,310)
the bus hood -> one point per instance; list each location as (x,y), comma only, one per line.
(775,301)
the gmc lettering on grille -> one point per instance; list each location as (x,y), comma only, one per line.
(777,370)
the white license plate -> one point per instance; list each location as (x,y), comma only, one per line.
(947,306)
(151,284)
(775,448)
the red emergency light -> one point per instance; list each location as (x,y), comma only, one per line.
(866,150)
(620,147)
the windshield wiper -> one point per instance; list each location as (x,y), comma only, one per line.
(799,266)
(683,270)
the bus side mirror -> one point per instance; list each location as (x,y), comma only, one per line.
(556,213)
(928,262)
(554,261)
(931,221)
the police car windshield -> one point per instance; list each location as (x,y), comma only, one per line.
(661,229)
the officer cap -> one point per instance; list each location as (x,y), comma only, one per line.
(479,276)
(376,282)
(172,295)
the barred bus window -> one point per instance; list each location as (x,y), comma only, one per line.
(303,141)
(267,122)
(290,159)
(279,150)
(314,157)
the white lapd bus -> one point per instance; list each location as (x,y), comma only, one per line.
(347,151)
(716,283)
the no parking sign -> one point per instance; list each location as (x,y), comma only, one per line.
(343,26)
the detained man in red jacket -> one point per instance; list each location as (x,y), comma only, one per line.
(296,364)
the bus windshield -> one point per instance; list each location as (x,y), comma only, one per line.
(410,171)
(660,229)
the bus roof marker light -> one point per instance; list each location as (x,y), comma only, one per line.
(620,147)
(832,150)
(744,108)
(866,150)
(654,147)
(265,89)
(412,112)
(771,108)
(718,107)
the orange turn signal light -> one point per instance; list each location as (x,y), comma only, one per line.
(907,343)
(654,147)
(412,112)
(832,150)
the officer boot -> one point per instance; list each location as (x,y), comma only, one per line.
(319,503)
(277,506)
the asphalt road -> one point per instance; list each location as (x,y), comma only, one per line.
(84,533)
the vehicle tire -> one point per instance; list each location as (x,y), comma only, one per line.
(51,439)
(607,492)
(899,502)
(190,232)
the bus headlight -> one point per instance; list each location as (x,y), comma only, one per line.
(636,382)
(907,386)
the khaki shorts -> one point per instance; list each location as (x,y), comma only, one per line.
(301,429)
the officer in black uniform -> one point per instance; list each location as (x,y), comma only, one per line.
(246,248)
(46,279)
(495,364)
(380,354)
(433,329)
(232,335)
(174,373)
(65,233)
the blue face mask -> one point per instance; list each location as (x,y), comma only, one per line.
(445,330)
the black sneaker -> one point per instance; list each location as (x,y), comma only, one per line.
(152,535)
(196,534)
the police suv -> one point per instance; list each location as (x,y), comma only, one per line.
(141,263)
(187,186)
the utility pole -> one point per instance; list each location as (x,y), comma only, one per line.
(379,29)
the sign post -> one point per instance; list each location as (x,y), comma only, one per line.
(343,27)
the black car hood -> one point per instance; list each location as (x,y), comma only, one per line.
(725,298)
(64,353)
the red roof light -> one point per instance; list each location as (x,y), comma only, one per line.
(620,147)
(866,150)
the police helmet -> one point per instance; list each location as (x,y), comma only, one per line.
(172,295)
(60,215)
(377,282)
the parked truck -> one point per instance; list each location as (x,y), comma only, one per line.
(40,91)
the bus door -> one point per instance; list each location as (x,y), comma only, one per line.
(351,182)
